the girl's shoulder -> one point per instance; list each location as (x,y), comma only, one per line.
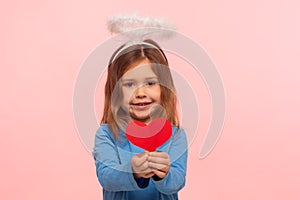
(176,129)
(103,127)
(178,132)
(179,138)
(104,130)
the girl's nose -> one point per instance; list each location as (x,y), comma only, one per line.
(140,92)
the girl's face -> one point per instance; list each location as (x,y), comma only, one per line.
(141,91)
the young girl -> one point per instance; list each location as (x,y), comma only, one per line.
(138,82)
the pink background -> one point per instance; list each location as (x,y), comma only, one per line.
(254,44)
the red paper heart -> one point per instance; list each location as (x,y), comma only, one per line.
(151,136)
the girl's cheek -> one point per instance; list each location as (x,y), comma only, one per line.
(157,93)
(126,96)
(130,110)
(126,101)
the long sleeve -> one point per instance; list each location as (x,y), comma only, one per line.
(175,178)
(112,175)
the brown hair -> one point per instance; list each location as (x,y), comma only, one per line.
(120,61)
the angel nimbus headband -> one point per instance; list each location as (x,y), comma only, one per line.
(137,27)
(129,44)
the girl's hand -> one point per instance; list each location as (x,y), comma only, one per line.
(140,166)
(159,162)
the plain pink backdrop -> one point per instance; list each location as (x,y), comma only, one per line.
(254,44)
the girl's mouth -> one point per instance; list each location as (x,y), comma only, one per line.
(141,104)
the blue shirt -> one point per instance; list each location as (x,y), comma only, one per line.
(114,171)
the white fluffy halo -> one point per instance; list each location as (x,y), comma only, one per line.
(135,26)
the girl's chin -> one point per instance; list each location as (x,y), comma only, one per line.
(142,118)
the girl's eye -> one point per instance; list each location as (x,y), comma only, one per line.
(128,84)
(151,83)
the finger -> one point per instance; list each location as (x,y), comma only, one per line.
(158,166)
(165,161)
(144,167)
(141,173)
(159,173)
(140,159)
(159,154)
(148,175)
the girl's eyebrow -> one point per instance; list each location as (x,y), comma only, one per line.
(128,79)
(152,77)
(132,79)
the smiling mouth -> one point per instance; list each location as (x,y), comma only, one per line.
(141,104)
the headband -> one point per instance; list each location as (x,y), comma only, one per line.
(129,44)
